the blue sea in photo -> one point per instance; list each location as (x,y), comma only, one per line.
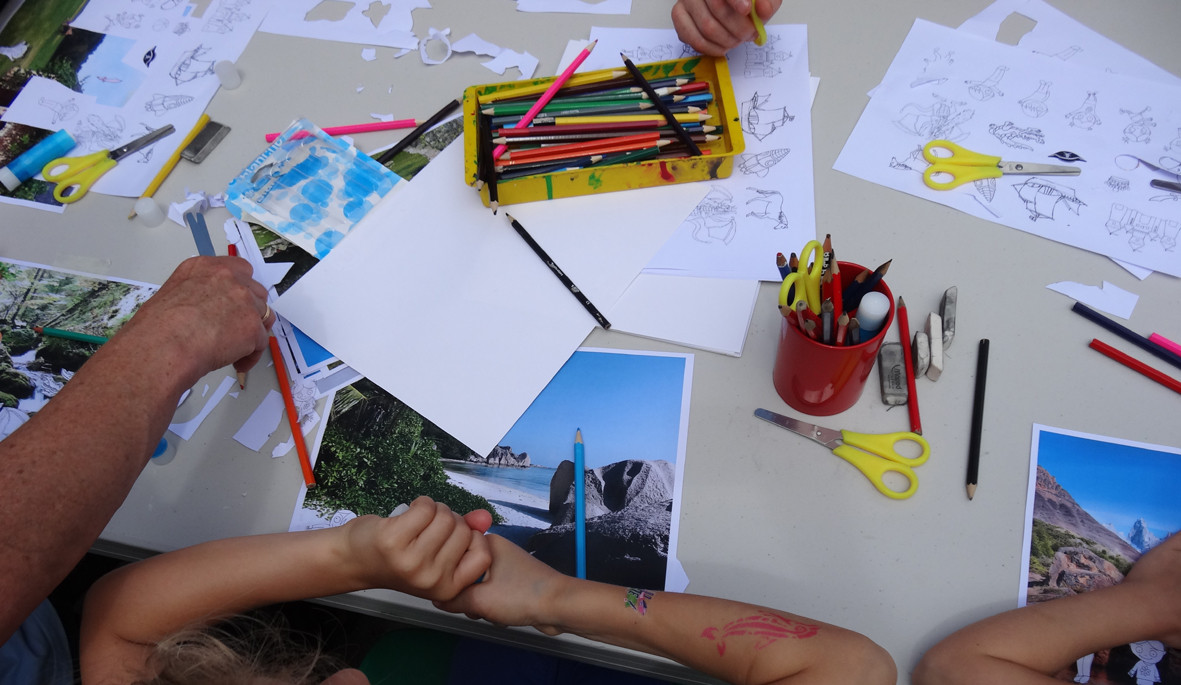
(531,481)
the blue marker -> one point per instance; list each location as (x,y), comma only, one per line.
(35,158)
(579,506)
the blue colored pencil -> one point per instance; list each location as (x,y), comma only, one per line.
(579,506)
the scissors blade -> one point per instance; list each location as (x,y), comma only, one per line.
(141,142)
(825,436)
(1030,168)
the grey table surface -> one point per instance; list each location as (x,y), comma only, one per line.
(766,518)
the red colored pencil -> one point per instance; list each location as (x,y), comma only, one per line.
(912,401)
(301,448)
(1136,365)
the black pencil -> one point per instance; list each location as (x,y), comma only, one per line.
(485,154)
(1128,334)
(977,417)
(417,132)
(574,290)
(655,98)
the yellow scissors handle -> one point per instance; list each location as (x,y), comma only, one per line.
(874,468)
(76,174)
(883,444)
(794,284)
(814,252)
(958,166)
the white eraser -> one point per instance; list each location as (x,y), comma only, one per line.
(921,352)
(148,212)
(947,313)
(228,74)
(934,333)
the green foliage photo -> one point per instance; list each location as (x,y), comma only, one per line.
(1047,539)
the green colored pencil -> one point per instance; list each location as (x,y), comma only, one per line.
(70,335)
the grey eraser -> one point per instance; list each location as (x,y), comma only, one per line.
(947,313)
(934,332)
(921,351)
(892,372)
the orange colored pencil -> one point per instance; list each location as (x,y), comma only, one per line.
(301,448)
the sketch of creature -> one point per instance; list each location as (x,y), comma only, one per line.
(659,53)
(763,61)
(1139,130)
(161,104)
(761,121)
(1085,117)
(1063,54)
(988,88)
(938,60)
(1034,104)
(986,187)
(1142,228)
(61,110)
(1015,136)
(762,162)
(1118,184)
(943,119)
(1041,198)
(912,162)
(1174,145)
(225,19)
(182,27)
(126,20)
(190,67)
(713,219)
(96,133)
(767,199)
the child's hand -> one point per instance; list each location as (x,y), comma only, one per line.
(429,551)
(518,590)
(712,27)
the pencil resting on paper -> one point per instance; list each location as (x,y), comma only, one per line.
(422,128)
(172,161)
(977,418)
(557,271)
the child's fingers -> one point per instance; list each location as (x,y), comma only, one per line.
(479,520)
(475,562)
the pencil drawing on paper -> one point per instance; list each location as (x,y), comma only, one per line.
(191,66)
(1118,184)
(1174,145)
(762,61)
(1016,136)
(910,162)
(768,205)
(96,133)
(161,104)
(713,219)
(942,119)
(128,21)
(1063,54)
(988,88)
(62,109)
(1042,197)
(1034,104)
(659,53)
(1139,129)
(1142,229)
(986,187)
(760,164)
(932,68)
(760,119)
(1085,116)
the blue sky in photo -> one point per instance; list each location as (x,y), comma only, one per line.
(1116,483)
(627,405)
(106,76)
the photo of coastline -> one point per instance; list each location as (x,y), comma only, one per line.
(1096,504)
(632,409)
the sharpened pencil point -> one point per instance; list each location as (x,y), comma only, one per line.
(971,490)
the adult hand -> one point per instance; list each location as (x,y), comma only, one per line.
(208,314)
(517,590)
(427,551)
(713,27)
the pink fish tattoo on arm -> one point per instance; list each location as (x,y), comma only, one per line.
(766,626)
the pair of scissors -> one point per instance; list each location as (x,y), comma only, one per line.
(77,174)
(874,455)
(804,283)
(952,166)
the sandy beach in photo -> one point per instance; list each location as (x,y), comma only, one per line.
(519,509)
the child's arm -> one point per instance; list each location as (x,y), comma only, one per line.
(739,643)
(713,27)
(428,551)
(1029,645)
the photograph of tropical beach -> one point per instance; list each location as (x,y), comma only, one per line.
(632,410)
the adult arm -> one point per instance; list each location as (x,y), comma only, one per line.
(737,642)
(1029,645)
(428,551)
(69,467)
(713,27)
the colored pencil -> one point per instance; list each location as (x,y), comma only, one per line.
(664,110)
(912,400)
(573,84)
(169,165)
(977,418)
(838,300)
(414,135)
(1136,365)
(70,335)
(784,269)
(1128,334)
(557,271)
(685,118)
(581,147)
(1165,342)
(505,162)
(350,129)
(579,506)
(582,128)
(548,94)
(629,156)
(584,84)
(301,448)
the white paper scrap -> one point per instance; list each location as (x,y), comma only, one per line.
(263,421)
(1108,298)
(186,429)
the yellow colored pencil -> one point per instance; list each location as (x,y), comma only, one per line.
(172,161)
(607,118)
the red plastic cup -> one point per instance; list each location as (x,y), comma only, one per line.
(819,379)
